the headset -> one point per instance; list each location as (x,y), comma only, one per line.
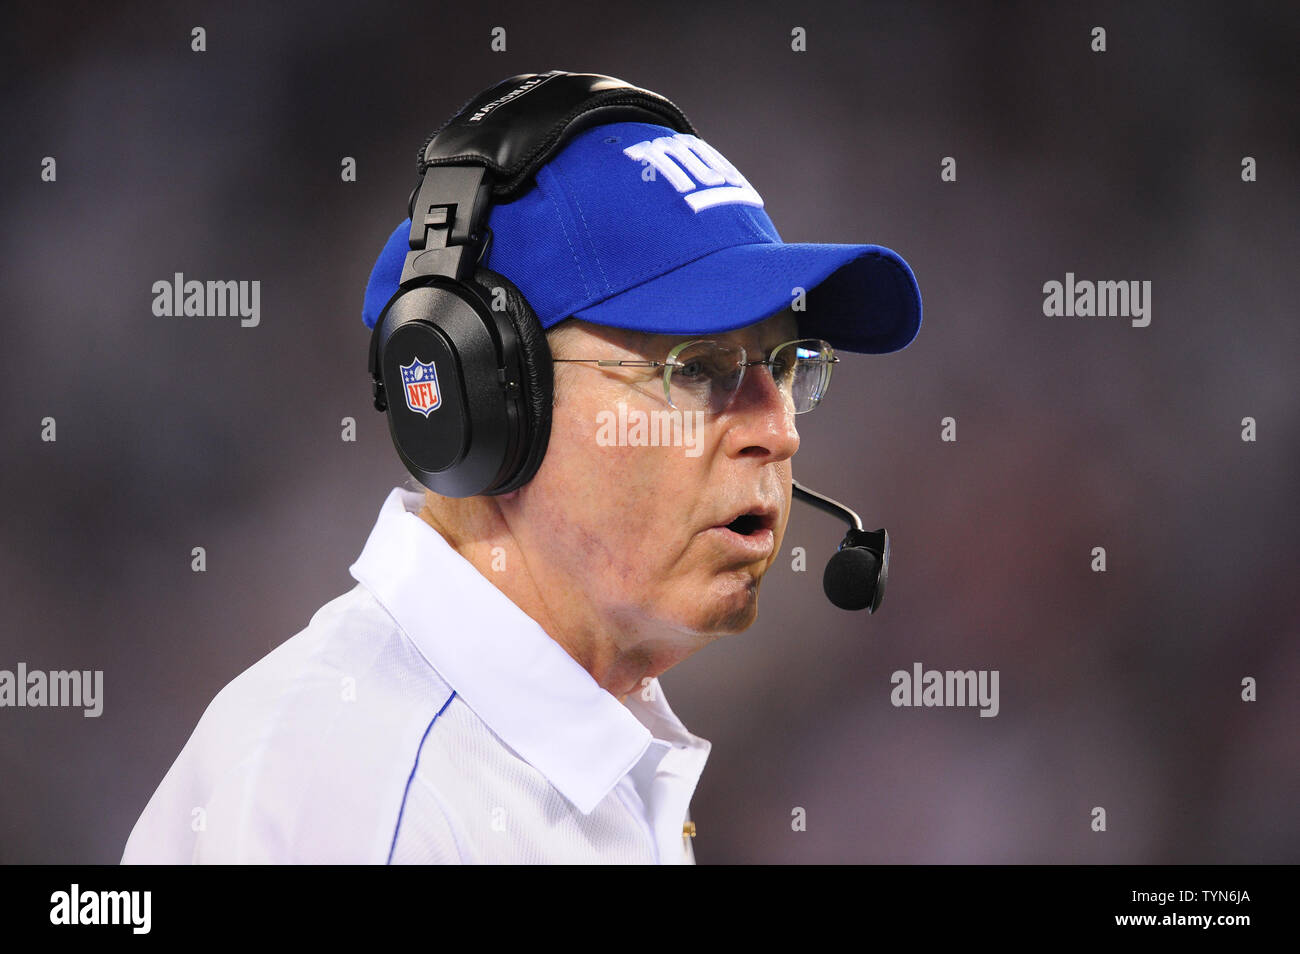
(488,370)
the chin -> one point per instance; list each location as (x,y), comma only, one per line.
(732,606)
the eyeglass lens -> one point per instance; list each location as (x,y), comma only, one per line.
(705,375)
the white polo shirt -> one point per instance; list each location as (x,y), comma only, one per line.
(423,717)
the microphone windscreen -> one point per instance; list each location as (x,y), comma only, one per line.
(850,578)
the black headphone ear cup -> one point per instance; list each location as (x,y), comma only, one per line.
(538,372)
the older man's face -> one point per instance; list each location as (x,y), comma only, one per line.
(637,534)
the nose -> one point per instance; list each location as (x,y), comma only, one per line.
(760,419)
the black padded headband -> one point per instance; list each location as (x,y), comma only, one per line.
(516,126)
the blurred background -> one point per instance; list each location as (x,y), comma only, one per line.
(1119,689)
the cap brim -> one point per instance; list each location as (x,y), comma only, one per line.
(860,298)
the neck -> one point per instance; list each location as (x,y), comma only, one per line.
(622,655)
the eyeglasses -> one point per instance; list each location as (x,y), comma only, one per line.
(704,375)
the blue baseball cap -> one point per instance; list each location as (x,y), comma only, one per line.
(636,226)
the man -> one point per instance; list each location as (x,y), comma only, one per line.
(488,691)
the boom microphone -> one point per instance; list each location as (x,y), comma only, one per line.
(856,574)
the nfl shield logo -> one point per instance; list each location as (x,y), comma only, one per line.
(420,382)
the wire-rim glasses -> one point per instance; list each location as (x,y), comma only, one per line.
(705,375)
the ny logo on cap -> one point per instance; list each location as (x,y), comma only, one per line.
(697,170)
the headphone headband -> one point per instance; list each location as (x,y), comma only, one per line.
(516,126)
(491,149)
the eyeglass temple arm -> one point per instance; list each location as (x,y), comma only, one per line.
(610,363)
(825,504)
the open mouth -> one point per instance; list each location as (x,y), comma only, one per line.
(747,524)
(749,536)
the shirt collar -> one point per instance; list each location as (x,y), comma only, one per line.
(523,685)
